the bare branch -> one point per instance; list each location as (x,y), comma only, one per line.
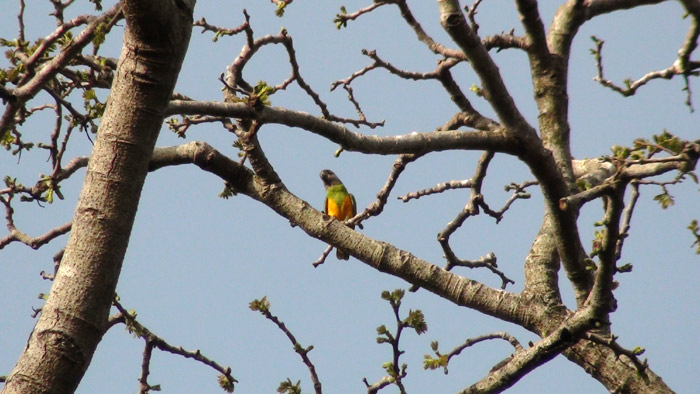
(453,21)
(537,37)
(611,342)
(439,188)
(595,8)
(263,306)
(375,208)
(415,142)
(221,31)
(32,242)
(234,75)
(526,360)
(441,73)
(322,258)
(627,219)
(379,255)
(341,20)
(472,208)
(154,341)
(443,360)
(423,37)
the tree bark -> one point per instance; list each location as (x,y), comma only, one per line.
(74,318)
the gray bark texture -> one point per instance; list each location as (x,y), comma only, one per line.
(74,317)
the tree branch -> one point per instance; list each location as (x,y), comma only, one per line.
(453,21)
(415,142)
(378,255)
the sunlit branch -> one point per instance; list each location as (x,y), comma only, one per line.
(439,188)
(375,208)
(601,299)
(263,307)
(20,21)
(506,41)
(627,218)
(611,342)
(471,209)
(453,21)
(379,255)
(415,142)
(471,14)
(443,360)
(524,361)
(577,200)
(537,37)
(342,19)
(322,258)
(424,37)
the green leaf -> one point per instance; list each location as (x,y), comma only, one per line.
(100,34)
(389,368)
(693,227)
(261,92)
(664,199)
(620,152)
(6,139)
(477,90)
(287,387)
(90,94)
(394,297)
(582,184)
(225,383)
(416,320)
(261,305)
(48,196)
(228,192)
(435,363)
(638,350)
(340,20)
(280,8)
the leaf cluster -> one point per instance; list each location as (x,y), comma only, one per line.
(262,305)
(341,19)
(287,387)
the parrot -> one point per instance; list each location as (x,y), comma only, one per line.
(339,203)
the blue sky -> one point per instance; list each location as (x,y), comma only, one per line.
(195,261)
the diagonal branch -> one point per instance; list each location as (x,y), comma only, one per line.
(527,360)
(154,341)
(453,21)
(379,255)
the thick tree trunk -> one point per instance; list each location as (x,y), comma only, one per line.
(74,317)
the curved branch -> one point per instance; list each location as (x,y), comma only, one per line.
(497,141)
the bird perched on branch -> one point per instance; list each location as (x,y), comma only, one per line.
(339,203)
